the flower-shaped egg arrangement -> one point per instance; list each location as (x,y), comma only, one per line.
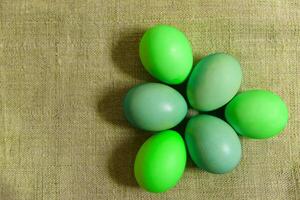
(212,143)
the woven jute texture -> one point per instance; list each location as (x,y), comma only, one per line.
(65,66)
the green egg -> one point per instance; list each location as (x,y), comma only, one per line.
(257,114)
(166,54)
(160,162)
(212,144)
(154,106)
(214,81)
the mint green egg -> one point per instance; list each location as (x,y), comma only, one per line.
(154,106)
(160,161)
(166,54)
(257,114)
(214,81)
(212,144)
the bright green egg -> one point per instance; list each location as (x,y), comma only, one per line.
(214,81)
(154,106)
(257,114)
(166,54)
(212,144)
(160,162)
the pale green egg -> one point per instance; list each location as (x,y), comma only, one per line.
(212,144)
(154,106)
(214,81)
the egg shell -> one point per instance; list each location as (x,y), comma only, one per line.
(166,54)
(257,114)
(154,106)
(212,144)
(160,161)
(214,81)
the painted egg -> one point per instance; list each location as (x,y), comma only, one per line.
(154,106)
(166,54)
(212,144)
(214,81)
(257,114)
(160,162)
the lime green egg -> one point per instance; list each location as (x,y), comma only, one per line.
(257,114)
(160,161)
(166,54)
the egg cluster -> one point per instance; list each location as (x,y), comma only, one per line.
(212,143)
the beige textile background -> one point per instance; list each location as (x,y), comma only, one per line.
(66,64)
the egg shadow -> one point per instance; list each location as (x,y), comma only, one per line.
(197,58)
(110,107)
(125,57)
(190,164)
(181,88)
(121,162)
(125,53)
(220,112)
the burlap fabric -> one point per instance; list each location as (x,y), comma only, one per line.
(66,64)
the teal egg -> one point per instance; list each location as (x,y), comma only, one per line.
(213,82)
(154,106)
(212,144)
